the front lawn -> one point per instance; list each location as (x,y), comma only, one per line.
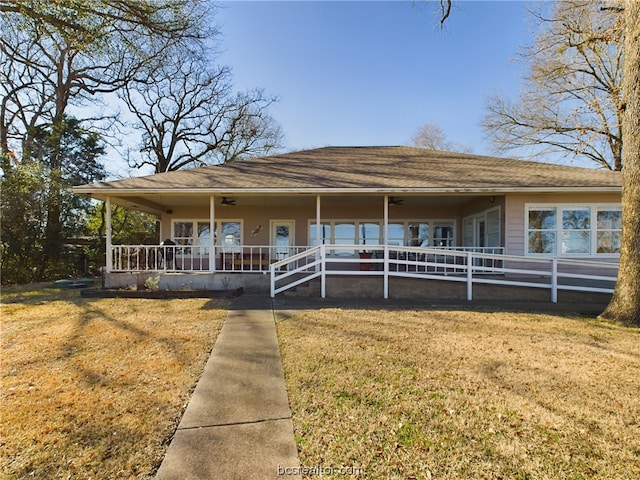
(95,388)
(461,394)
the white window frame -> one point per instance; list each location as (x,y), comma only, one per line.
(405,223)
(593,228)
(218,225)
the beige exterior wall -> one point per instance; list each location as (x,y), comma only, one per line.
(305,213)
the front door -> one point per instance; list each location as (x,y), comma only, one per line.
(282,238)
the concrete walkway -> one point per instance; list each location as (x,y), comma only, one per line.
(238,422)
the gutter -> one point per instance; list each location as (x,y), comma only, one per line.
(82,190)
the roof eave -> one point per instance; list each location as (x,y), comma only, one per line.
(102,193)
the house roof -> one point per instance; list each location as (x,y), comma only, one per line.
(389,170)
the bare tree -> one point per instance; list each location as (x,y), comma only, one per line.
(625,303)
(56,55)
(572,98)
(190,116)
(158,18)
(61,54)
(431,136)
(624,307)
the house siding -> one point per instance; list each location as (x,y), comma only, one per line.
(302,210)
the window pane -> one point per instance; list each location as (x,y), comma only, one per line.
(325,233)
(542,242)
(493,222)
(542,219)
(493,228)
(467,238)
(344,234)
(369,233)
(395,234)
(230,235)
(609,219)
(609,242)
(576,219)
(183,233)
(204,237)
(418,234)
(574,241)
(443,234)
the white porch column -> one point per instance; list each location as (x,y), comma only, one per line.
(212,233)
(385,228)
(318,230)
(108,234)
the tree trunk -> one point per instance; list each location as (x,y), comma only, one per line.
(624,307)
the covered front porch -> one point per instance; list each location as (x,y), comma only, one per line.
(275,243)
(250,232)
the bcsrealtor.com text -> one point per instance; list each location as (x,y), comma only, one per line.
(321,470)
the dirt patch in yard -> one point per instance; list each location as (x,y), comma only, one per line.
(446,394)
(94,388)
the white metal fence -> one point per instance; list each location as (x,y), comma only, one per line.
(471,265)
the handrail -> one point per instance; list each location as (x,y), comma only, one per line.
(462,265)
(280,270)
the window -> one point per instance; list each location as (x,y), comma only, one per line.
(228,234)
(443,234)
(344,234)
(468,238)
(576,230)
(571,230)
(325,233)
(608,230)
(542,230)
(420,233)
(493,228)
(395,234)
(204,237)
(183,233)
(368,233)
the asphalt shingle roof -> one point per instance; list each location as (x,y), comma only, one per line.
(369,168)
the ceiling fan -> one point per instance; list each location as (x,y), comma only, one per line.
(228,201)
(395,201)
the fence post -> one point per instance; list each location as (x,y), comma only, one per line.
(386,272)
(554,280)
(469,276)
(323,274)
(272,272)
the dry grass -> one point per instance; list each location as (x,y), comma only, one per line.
(95,388)
(457,394)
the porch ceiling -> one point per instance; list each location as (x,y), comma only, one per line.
(159,203)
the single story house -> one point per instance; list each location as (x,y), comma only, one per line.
(367,211)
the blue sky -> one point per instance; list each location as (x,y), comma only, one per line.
(371,73)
